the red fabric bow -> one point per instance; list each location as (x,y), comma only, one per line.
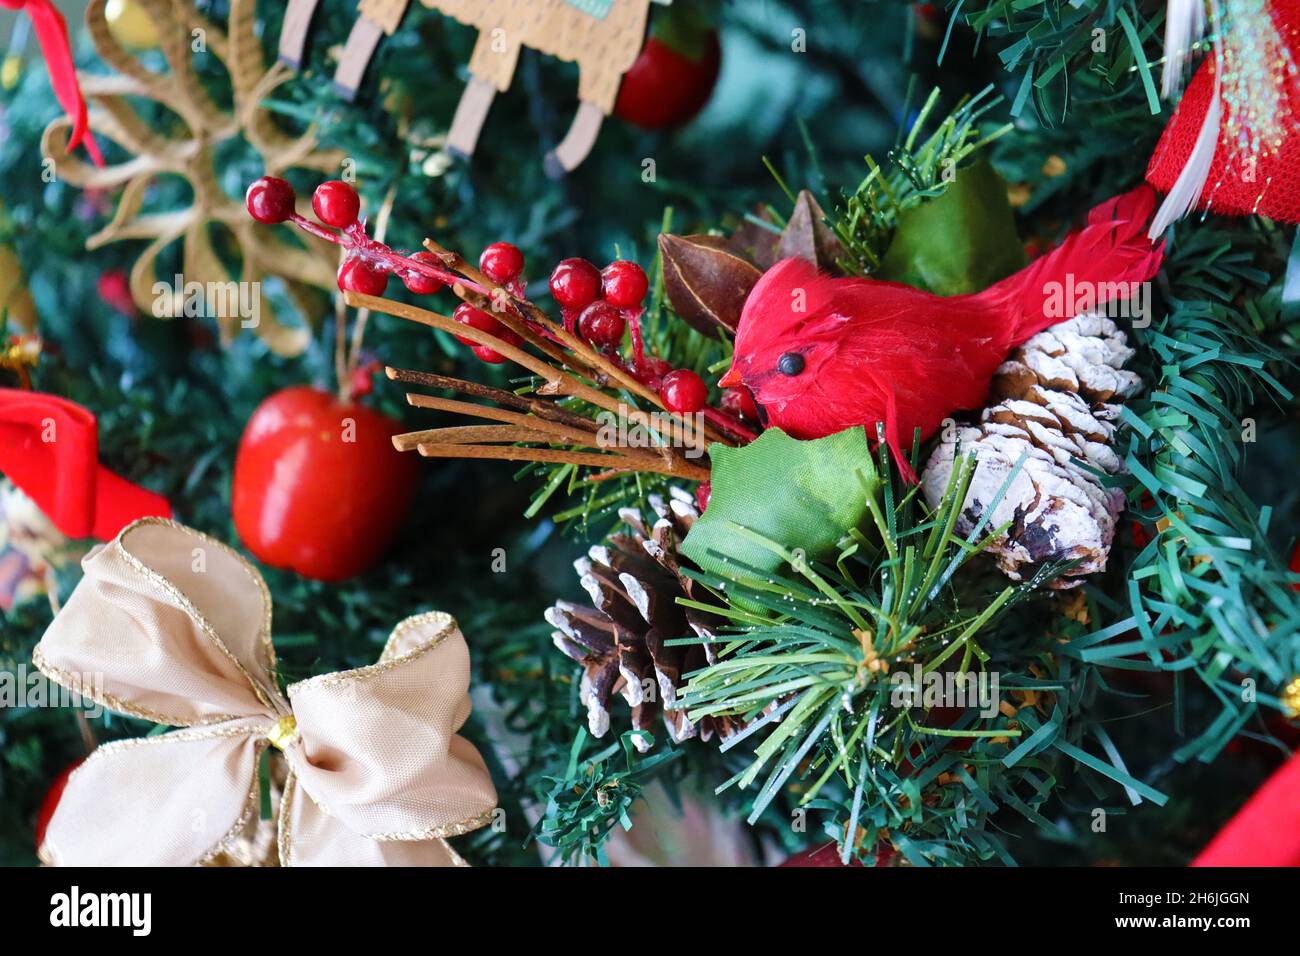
(49,447)
(52,35)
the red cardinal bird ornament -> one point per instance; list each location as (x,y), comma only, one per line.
(822,354)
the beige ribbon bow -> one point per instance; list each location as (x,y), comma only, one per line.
(179,627)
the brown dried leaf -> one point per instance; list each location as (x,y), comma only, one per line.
(806,236)
(757,243)
(706,280)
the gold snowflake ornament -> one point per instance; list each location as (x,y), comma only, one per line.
(207,286)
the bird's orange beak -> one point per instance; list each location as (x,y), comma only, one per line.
(731,379)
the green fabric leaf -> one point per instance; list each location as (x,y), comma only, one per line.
(961,241)
(797,494)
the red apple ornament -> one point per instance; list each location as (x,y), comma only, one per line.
(51,801)
(318,486)
(829,855)
(674,75)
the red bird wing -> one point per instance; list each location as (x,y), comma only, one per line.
(1110,251)
(920,358)
(906,358)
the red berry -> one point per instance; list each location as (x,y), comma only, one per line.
(656,369)
(418,282)
(502,262)
(336,204)
(466,314)
(740,403)
(703,492)
(575,283)
(625,284)
(683,391)
(269,200)
(358,275)
(488,354)
(601,324)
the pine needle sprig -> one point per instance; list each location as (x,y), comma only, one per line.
(594,795)
(919,166)
(1051,47)
(814,663)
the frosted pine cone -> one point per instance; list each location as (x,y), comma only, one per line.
(1056,399)
(634,581)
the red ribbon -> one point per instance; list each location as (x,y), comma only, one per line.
(49,447)
(52,35)
(1266,831)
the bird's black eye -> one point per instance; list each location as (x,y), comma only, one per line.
(790,363)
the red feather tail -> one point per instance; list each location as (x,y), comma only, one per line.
(1104,262)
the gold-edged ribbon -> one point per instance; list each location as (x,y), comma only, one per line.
(175,628)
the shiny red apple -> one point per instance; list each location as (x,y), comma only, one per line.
(318,486)
(50,803)
(829,855)
(672,78)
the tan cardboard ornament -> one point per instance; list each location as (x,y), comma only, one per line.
(603,37)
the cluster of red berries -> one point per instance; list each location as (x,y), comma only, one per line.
(600,305)
(597,303)
(503,263)
(271,200)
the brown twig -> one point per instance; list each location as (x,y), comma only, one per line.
(594,359)
(680,469)
(560,433)
(559,381)
(526,331)
(483,435)
(657,458)
(542,407)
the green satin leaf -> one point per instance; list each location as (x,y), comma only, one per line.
(963,240)
(795,494)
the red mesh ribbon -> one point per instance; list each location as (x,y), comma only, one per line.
(52,35)
(1272,187)
(1266,831)
(49,447)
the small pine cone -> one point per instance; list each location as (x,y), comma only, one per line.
(634,580)
(1056,399)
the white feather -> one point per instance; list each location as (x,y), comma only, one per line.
(1190,183)
(1184,24)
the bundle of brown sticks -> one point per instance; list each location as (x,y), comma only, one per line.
(544,423)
